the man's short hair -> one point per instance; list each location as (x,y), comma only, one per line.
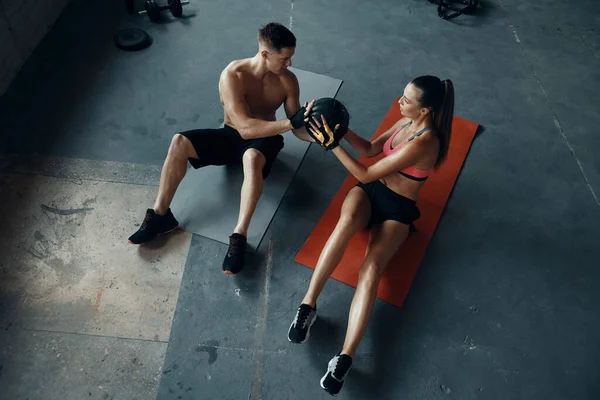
(276,36)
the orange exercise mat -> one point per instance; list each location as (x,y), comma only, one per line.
(399,275)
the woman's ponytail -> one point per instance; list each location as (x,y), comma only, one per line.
(443,120)
(439,96)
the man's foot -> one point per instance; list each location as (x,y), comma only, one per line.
(234,260)
(153,226)
(300,329)
(337,369)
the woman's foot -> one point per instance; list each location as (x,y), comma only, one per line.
(337,369)
(300,329)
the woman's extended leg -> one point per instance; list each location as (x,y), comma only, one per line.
(355,215)
(384,242)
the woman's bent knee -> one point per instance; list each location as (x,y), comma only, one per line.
(355,210)
(349,219)
(352,218)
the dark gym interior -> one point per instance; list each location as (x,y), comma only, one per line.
(505,302)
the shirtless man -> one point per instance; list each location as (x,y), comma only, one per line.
(251,91)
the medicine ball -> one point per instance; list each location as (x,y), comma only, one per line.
(335,113)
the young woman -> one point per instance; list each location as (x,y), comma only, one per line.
(385,201)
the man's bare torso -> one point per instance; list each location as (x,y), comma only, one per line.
(263,96)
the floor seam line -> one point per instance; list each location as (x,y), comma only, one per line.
(92,335)
(590,48)
(7,171)
(261,329)
(556,121)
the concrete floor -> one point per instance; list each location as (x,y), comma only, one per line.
(504,305)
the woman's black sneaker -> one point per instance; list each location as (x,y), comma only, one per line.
(300,329)
(337,369)
(153,226)
(234,260)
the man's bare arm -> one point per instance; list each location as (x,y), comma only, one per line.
(292,104)
(237,109)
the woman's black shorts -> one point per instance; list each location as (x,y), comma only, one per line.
(389,205)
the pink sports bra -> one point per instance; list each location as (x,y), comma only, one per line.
(410,172)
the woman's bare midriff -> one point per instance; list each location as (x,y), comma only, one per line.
(403,186)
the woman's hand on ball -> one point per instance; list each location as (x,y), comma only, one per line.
(328,142)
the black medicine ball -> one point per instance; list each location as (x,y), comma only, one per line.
(335,113)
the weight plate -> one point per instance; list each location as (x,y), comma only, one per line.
(132,39)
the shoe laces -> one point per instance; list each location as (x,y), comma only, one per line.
(301,317)
(341,366)
(234,245)
(146,221)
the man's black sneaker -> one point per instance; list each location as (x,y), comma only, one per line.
(300,329)
(153,226)
(337,369)
(234,260)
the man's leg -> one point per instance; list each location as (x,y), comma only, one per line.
(160,219)
(253,162)
(173,171)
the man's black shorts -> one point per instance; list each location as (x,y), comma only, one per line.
(225,146)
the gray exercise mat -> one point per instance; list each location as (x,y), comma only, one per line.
(207,201)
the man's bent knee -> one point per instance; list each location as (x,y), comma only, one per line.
(182,147)
(254,159)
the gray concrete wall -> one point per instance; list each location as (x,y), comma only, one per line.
(23,24)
